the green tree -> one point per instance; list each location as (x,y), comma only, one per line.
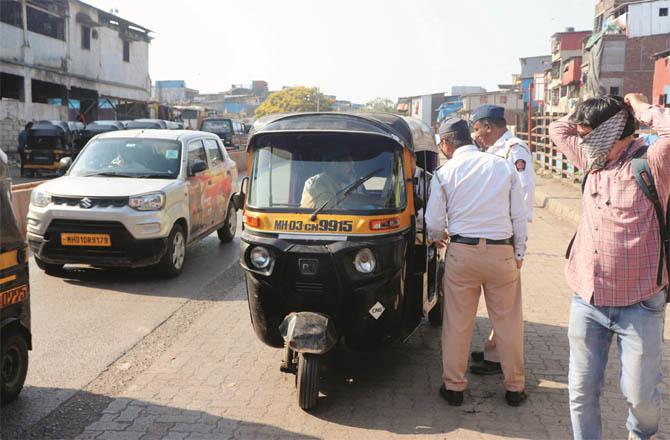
(383,105)
(295,99)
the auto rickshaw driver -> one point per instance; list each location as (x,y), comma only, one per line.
(324,187)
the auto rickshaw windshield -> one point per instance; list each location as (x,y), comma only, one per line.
(343,172)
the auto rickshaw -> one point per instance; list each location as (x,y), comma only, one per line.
(15,336)
(47,143)
(333,244)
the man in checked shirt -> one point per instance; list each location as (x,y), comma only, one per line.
(613,264)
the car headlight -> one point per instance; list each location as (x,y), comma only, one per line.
(147,202)
(40,198)
(365,261)
(260,258)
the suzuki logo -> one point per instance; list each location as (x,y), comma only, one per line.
(86,203)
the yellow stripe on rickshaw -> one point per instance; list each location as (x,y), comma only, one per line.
(8,259)
(7,279)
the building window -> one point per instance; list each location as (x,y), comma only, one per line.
(126,51)
(614,91)
(10,13)
(483,99)
(45,23)
(86,37)
(663,12)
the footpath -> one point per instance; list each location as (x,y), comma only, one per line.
(217,381)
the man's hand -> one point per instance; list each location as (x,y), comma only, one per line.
(636,99)
(519,263)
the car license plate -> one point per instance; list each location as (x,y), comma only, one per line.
(97,240)
(13,296)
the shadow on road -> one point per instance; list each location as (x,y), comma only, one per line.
(89,415)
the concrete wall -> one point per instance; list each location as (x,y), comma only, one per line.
(14,115)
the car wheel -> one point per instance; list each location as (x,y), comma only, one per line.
(49,268)
(172,262)
(13,365)
(226,232)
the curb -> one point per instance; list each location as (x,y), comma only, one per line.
(559,198)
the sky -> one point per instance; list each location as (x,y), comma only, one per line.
(355,49)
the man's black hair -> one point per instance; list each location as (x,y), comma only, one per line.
(594,111)
(458,138)
(28,126)
(496,122)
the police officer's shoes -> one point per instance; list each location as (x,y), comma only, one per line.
(514,398)
(486,368)
(453,398)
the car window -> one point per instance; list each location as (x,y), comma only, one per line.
(213,152)
(196,151)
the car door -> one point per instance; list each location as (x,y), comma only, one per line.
(198,184)
(217,193)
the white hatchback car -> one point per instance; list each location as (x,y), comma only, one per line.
(135,198)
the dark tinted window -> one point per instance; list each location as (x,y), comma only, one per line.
(10,13)
(126,51)
(46,24)
(85,37)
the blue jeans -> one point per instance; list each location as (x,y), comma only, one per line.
(639,334)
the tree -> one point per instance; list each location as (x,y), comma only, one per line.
(295,99)
(383,105)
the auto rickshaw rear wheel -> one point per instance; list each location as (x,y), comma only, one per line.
(48,267)
(226,232)
(13,364)
(308,380)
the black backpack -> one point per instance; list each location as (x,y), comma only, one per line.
(645,179)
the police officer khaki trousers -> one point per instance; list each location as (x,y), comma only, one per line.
(468,269)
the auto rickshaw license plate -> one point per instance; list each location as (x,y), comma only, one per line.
(13,296)
(96,240)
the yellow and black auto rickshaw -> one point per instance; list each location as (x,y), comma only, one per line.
(332,246)
(47,143)
(15,337)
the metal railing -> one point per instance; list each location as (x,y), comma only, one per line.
(545,153)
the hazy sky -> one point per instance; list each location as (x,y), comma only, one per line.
(355,49)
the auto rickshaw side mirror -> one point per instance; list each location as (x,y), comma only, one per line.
(64,164)
(198,167)
(239,197)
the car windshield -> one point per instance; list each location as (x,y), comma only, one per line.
(143,124)
(130,157)
(217,126)
(334,173)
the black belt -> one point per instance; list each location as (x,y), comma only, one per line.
(474,241)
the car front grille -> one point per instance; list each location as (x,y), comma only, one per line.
(96,202)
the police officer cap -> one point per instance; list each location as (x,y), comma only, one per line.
(453,124)
(488,112)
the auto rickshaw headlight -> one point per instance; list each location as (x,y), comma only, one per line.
(365,261)
(260,258)
(40,198)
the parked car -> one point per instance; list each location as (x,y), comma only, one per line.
(150,123)
(97,127)
(231,131)
(135,198)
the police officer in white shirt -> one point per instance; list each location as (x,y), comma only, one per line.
(491,133)
(480,196)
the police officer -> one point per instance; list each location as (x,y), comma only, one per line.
(491,133)
(480,195)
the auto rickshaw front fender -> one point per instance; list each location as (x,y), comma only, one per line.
(308,332)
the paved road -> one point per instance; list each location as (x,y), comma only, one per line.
(84,319)
(202,373)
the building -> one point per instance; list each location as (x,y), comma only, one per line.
(173,92)
(620,58)
(562,92)
(510,100)
(64,59)
(530,67)
(661,92)
(423,107)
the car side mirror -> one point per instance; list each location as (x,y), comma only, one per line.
(198,166)
(64,164)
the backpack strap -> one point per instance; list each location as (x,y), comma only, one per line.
(645,179)
(572,242)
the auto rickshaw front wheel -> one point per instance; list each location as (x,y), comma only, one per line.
(13,364)
(308,380)
(49,268)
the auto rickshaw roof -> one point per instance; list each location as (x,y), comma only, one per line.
(409,132)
